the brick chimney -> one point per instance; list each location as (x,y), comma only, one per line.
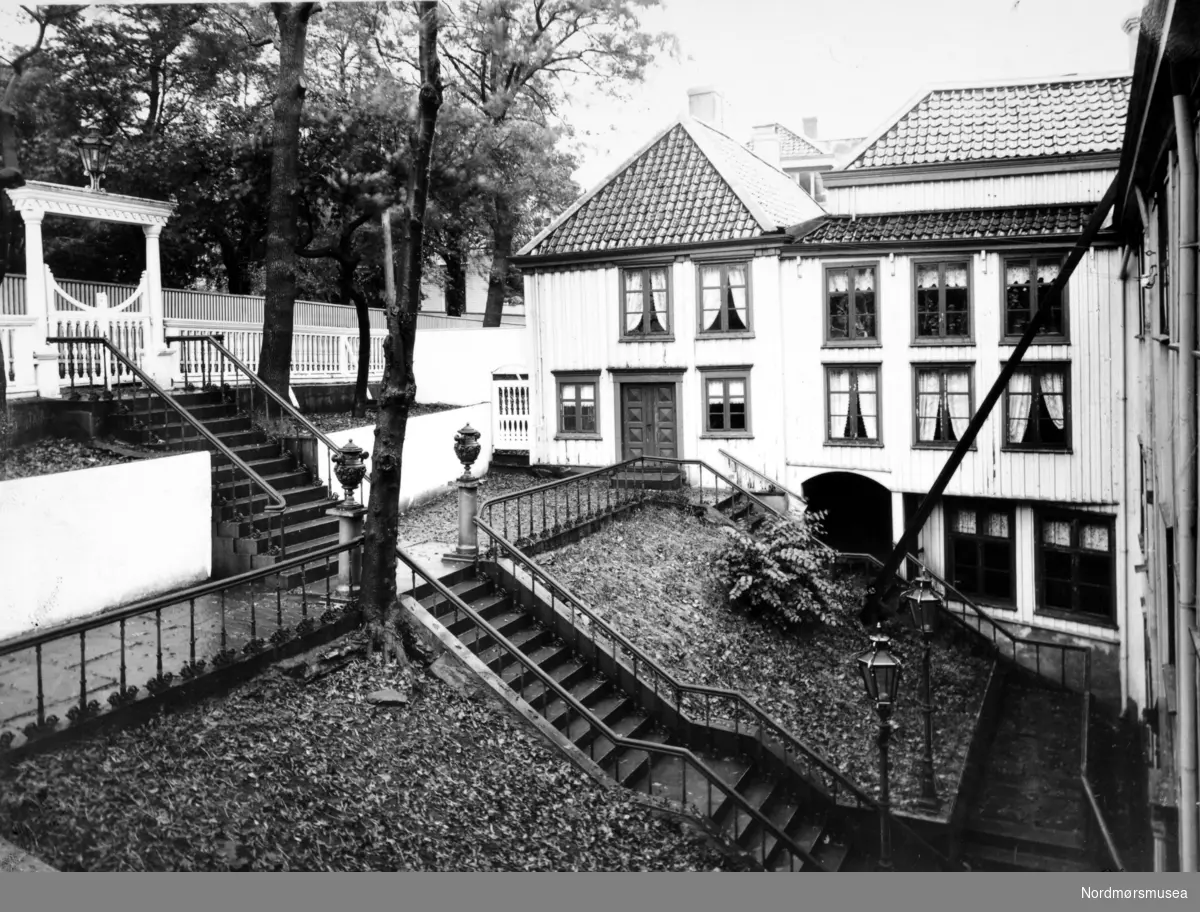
(1131,27)
(809,126)
(706,104)
(765,144)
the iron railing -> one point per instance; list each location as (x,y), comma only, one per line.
(739,467)
(102,352)
(687,760)
(205,627)
(207,355)
(1027,653)
(695,700)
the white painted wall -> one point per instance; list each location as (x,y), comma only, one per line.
(76,543)
(430,465)
(456,367)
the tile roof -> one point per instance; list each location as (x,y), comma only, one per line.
(963,224)
(792,144)
(1054,117)
(692,184)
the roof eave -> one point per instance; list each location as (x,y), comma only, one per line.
(772,239)
(1083,161)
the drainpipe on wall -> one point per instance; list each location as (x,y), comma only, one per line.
(1185,476)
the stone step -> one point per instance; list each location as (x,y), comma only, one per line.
(984,857)
(294,534)
(649,480)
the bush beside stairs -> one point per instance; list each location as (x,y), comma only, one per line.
(242,542)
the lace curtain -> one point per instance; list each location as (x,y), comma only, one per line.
(927,276)
(864,279)
(929,400)
(866,403)
(956,275)
(1016,274)
(658,300)
(839,403)
(958,401)
(1020,388)
(1052,395)
(839,281)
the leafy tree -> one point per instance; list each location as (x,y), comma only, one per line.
(514,63)
(399,388)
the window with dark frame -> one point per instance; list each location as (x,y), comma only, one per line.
(726,405)
(1037,407)
(1026,281)
(852,404)
(944,403)
(577,406)
(850,304)
(645,302)
(943,298)
(1076,564)
(724,298)
(980,550)
(1164,268)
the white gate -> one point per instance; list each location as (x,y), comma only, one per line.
(510,409)
(126,325)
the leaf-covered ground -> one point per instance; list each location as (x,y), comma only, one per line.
(437,519)
(649,575)
(285,776)
(345,421)
(60,454)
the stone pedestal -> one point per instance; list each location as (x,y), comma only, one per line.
(468,535)
(351,518)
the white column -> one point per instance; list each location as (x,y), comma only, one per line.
(37,305)
(159,360)
(898,528)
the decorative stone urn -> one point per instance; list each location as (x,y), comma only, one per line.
(466,448)
(351,468)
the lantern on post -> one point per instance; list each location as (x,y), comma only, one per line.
(94,151)
(881,672)
(924,603)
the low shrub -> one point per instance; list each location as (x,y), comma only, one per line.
(784,573)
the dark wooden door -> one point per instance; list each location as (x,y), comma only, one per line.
(649,423)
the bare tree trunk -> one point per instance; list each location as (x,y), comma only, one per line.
(279,304)
(503,229)
(359,406)
(399,388)
(456,275)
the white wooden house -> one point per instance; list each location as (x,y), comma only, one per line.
(842,349)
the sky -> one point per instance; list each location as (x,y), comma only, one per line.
(849,63)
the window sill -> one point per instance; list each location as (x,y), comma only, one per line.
(930,445)
(654,338)
(1049,451)
(1038,340)
(1083,620)
(944,342)
(867,343)
(568,436)
(724,335)
(727,435)
(987,604)
(854,443)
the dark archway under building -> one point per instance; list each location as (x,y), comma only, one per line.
(858,512)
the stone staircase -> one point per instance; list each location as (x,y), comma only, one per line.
(1029,812)
(242,543)
(791,802)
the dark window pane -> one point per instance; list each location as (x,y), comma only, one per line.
(737,416)
(568,422)
(716,415)
(864,307)
(839,320)
(997,585)
(1058,595)
(997,556)
(956,311)
(1096,570)
(1056,565)
(928,323)
(589,418)
(1054,319)
(1095,600)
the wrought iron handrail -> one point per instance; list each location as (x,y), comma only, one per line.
(216,340)
(685,755)
(1097,815)
(738,464)
(278,505)
(791,743)
(244,585)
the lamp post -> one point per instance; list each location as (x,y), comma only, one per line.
(880,672)
(924,603)
(93,151)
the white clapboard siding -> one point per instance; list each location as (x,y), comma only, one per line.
(926,196)
(1091,473)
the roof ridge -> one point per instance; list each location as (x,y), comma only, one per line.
(765,222)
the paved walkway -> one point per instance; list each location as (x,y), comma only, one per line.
(148,644)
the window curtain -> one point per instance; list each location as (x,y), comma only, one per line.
(839,402)
(839,281)
(929,397)
(658,300)
(1016,274)
(1019,400)
(1052,394)
(866,404)
(710,284)
(958,401)
(864,279)
(634,302)
(956,276)
(737,298)
(927,276)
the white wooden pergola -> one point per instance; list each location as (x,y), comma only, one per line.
(139,317)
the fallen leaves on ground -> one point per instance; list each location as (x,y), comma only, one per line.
(649,575)
(437,519)
(329,422)
(62,454)
(282,776)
